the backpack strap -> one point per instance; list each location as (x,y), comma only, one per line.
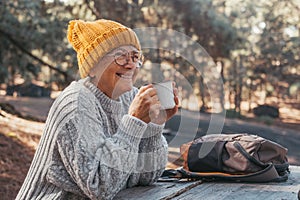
(268,174)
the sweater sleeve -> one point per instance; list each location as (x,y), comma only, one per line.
(152,158)
(99,165)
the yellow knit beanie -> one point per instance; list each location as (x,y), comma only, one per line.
(92,40)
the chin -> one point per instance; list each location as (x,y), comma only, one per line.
(127,88)
(121,89)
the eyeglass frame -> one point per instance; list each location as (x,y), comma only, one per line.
(139,62)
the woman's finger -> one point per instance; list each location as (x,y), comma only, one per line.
(145,87)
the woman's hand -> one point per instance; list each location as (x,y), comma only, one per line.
(146,106)
(165,115)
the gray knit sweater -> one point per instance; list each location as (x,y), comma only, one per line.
(91,148)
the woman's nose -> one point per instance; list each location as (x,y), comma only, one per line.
(130,64)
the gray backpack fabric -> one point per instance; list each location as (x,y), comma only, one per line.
(233,157)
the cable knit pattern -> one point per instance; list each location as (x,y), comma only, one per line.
(91,149)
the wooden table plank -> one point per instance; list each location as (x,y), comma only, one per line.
(246,191)
(217,190)
(160,190)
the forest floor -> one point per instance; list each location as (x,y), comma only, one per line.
(20,133)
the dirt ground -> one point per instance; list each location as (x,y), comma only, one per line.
(19,138)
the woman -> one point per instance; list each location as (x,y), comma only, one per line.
(101,135)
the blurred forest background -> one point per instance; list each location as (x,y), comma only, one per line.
(255,46)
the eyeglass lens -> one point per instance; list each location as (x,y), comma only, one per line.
(122,57)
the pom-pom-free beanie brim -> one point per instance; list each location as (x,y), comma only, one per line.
(92,40)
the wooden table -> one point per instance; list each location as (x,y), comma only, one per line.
(217,190)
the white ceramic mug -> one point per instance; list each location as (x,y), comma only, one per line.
(165,94)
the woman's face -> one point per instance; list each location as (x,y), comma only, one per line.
(117,71)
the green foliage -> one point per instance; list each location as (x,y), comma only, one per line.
(231,113)
(33,29)
(266,120)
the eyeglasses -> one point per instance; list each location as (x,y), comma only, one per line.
(122,57)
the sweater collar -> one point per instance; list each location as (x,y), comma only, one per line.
(108,104)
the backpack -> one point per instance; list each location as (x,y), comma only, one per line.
(233,157)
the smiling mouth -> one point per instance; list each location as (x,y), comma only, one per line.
(125,76)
